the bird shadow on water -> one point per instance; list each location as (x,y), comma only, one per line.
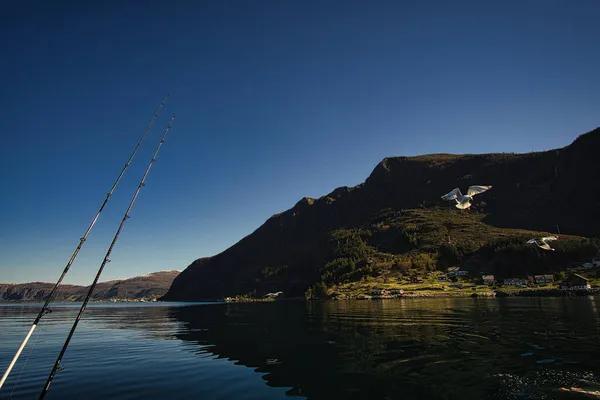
(435,349)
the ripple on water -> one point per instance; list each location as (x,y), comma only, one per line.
(409,349)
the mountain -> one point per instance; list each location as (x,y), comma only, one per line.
(147,286)
(395,224)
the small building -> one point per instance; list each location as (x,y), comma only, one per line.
(443,278)
(379,292)
(273,295)
(488,280)
(417,279)
(595,263)
(576,281)
(456,285)
(542,279)
(456,271)
(515,282)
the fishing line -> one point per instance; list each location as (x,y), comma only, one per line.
(37,337)
(104,262)
(44,308)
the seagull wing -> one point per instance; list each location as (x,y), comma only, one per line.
(545,246)
(549,238)
(531,241)
(475,189)
(453,195)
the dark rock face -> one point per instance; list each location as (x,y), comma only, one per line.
(534,191)
(151,285)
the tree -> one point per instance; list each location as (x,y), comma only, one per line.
(319,290)
(348,243)
(309,293)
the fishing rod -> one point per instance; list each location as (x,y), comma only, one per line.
(104,262)
(44,310)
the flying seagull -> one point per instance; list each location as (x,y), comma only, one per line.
(543,242)
(464,201)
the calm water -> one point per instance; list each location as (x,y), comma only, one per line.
(391,349)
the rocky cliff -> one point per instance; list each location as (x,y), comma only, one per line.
(140,287)
(398,211)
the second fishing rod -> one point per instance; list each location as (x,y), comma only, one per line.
(104,262)
(44,310)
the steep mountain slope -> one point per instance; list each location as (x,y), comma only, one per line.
(151,285)
(146,286)
(35,291)
(294,249)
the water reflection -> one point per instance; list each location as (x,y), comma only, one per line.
(410,349)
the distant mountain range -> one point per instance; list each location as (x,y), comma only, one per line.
(395,225)
(146,287)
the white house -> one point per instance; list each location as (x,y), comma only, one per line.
(273,295)
(515,282)
(541,279)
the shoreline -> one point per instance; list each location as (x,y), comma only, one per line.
(418,294)
(491,294)
(413,294)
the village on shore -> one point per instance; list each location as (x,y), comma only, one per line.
(583,279)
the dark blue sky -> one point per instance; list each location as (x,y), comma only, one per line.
(275,100)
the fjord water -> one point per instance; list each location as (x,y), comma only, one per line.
(506,348)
